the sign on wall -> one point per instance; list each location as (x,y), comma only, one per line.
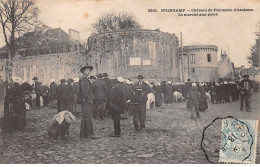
(136,61)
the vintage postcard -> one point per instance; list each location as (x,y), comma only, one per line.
(129,81)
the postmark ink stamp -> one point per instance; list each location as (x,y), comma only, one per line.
(238,141)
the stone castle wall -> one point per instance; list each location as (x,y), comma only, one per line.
(152,54)
(46,67)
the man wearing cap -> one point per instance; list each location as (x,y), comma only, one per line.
(99,90)
(38,92)
(70,103)
(245,87)
(139,103)
(61,96)
(117,103)
(85,99)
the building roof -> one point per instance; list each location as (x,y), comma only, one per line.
(38,38)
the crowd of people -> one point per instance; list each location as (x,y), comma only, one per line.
(99,97)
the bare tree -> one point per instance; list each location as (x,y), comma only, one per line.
(115,21)
(16,17)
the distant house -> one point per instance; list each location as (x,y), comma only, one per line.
(246,71)
(225,67)
(44,40)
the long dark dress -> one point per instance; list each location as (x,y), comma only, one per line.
(70,103)
(168,93)
(14,109)
(227,92)
(75,94)
(158,95)
(234,92)
(203,104)
(53,95)
(218,94)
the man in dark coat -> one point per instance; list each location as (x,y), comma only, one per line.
(61,96)
(99,91)
(26,86)
(145,87)
(38,91)
(245,87)
(122,87)
(85,99)
(116,103)
(14,109)
(70,102)
(138,101)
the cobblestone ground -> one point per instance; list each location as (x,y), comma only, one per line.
(170,137)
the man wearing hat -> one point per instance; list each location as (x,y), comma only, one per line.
(245,87)
(145,87)
(70,102)
(61,96)
(85,99)
(99,97)
(38,91)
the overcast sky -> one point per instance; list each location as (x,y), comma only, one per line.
(228,30)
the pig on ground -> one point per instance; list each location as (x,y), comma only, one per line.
(177,96)
(60,124)
(151,101)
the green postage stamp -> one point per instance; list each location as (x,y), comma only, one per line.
(238,141)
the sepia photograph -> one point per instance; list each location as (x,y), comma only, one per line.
(129,81)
